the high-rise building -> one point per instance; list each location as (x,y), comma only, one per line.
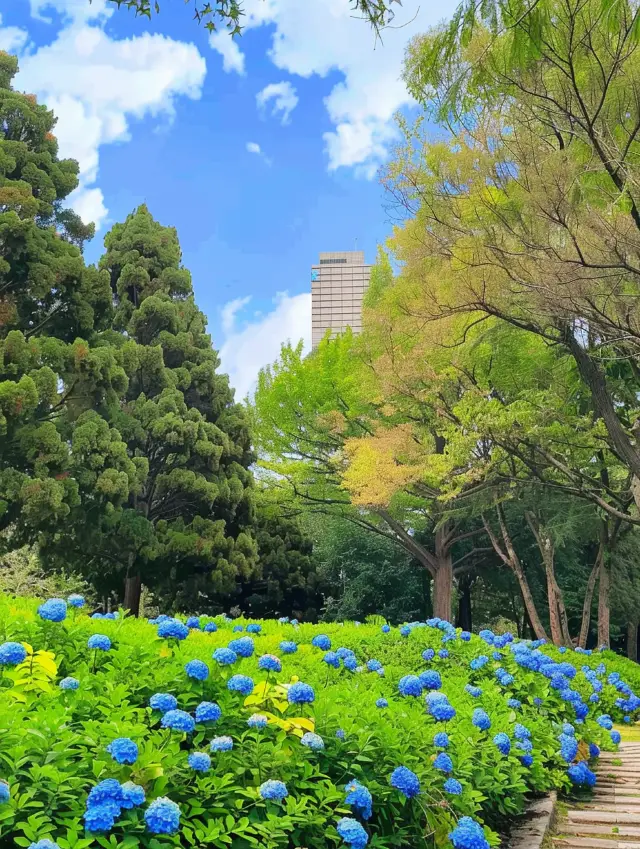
(338,283)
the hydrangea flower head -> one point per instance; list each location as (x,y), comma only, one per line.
(428,654)
(479,662)
(11,654)
(243,647)
(123,750)
(374,665)
(359,798)
(526,760)
(240,684)
(465,636)
(172,629)
(594,751)
(385,629)
(197,669)
(321,641)
(312,741)
(270,663)
(199,761)
(468,834)
(178,720)
(581,775)
(410,685)
(225,657)
(514,703)
(615,737)
(406,781)
(75,600)
(331,659)
(288,647)
(283,620)
(131,795)
(443,762)
(476,692)
(163,702)
(208,712)
(441,740)
(452,786)
(340,734)
(257,720)
(193,622)
(350,662)
(568,747)
(502,743)
(273,791)
(45,843)
(69,683)
(254,628)
(162,816)
(521,732)
(108,790)
(441,710)
(54,610)
(237,628)
(299,694)
(481,719)
(210,628)
(221,744)
(99,642)
(5,793)
(382,703)
(430,679)
(443,653)
(604,721)
(100,818)
(352,832)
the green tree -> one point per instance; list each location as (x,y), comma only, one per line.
(188,518)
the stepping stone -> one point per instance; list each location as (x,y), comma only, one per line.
(592,829)
(615,817)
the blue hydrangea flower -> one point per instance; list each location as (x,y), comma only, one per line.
(441,740)
(283,620)
(244,647)
(359,798)
(568,747)
(101,817)
(615,737)
(257,720)
(430,680)
(405,781)
(514,703)
(340,734)
(382,703)
(163,702)
(162,816)
(254,628)
(225,657)
(131,795)
(123,750)
(488,636)
(473,691)
(240,684)
(352,832)
(69,683)
(172,629)
(273,791)
(443,653)
(405,631)
(99,642)
(481,719)
(75,600)
(221,744)
(526,760)
(604,721)
(5,793)
(300,693)
(594,751)
(193,622)
(373,665)
(410,685)
(237,628)
(312,741)
(351,664)
(108,790)
(443,762)
(288,647)
(521,732)
(270,663)
(428,654)
(331,659)
(11,654)
(197,669)
(524,745)
(452,786)
(55,610)
(466,636)
(321,641)
(580,774)
(502,743)
(468,834)
(441,710)
(479,662)
(385,629)
(210,628)
(45,843)
(178,720)
(199,761)
(208,712)
(111,615)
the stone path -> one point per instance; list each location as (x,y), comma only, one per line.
(611,817)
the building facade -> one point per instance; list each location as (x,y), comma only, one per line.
(338,283)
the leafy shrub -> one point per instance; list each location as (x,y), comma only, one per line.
(342,757)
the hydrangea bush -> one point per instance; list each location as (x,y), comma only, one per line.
(179,733)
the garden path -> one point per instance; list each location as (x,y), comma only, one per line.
(611,818)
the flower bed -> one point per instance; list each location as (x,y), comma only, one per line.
(119,732)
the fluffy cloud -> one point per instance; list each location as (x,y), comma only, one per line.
(12,39)
(95,84)
(317,37)
(232,57)
(254,147)
(284,99)
(249,347)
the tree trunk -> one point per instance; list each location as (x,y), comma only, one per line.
(132,592)
(557,612)
(632,641)
(562,614)
(443,579)
(603,605)
(588,599)
(529,603)
(464,604)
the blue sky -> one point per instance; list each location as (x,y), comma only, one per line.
(261,151)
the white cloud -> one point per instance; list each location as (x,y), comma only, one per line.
(96,84)
(12,39)
(229,312)
(247,349)
(317,37)
(284,99)
(232,57)
(254,147)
